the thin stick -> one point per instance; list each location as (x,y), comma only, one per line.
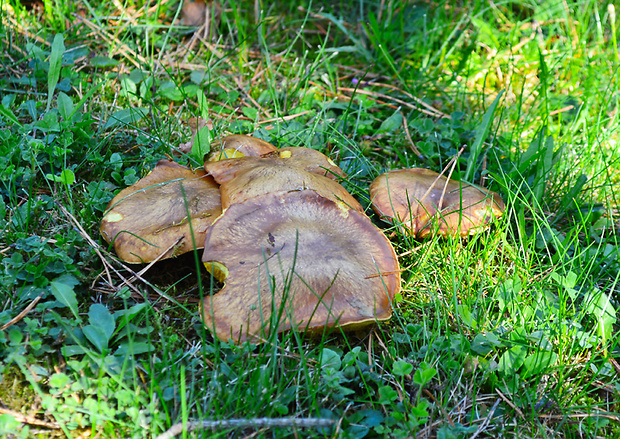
(21,315)
(581,416)
(486,420)
(283,118)
(148,267)
(441,407)
(451,163)
(245,423)
(384,273)
(507,401)
(30,420)
(406,93)
(414,148)
(391,98)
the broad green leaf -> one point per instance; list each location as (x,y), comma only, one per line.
(387,395)
(96,336)
(424,374)
(250,112)
(170,90)
(420,411)
(202,144)
(65,106)
(15,336)
(330,359)
(135,348)
(483,344)
(538,362)
(9,425)
(402,368)
(197,76)
(103,61)
(467,316)
(509,293)
(599,306)
(72,349)
(62,289)
(203,104)
(58,48)
(59,380)
(392,123)
(66,177)
(99,316)
(128,116)
(8,114)
(512,360)
(129,88)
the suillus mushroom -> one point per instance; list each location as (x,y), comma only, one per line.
(290,169)
(312,161)
(155,217)
(296,259)
(425,202)
(239,145)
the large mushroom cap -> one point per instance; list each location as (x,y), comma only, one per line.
(151,217)
(248,177)
(296,259)
(427,203)
(238,145)
(312,161)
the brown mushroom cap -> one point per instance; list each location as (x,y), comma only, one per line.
(146,219)
(238,145)
(312,161)
(428,203)
(248,177)
(302,256)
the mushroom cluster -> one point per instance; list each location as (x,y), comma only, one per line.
(293,248)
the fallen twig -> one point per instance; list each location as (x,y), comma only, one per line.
(486,420)
(21,315)
(245,423)
(30,420)
(507,401)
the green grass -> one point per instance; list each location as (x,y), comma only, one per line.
(511,333)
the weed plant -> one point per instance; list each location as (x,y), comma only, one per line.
(509,333)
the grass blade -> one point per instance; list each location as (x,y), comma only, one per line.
(481,134)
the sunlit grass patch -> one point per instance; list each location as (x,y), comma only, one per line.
(511,332)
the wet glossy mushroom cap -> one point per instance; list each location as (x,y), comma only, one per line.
(426,203)
(248,177)
(297,259)
(150,218)
(238,145)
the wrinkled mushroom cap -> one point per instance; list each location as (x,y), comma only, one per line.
(426,203)
(248,177)
(296,259)
(149,218)
(238,145)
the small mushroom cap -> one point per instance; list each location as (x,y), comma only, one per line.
(248,177)
(299,256)
(150,217)
(428,203)
(238,145)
